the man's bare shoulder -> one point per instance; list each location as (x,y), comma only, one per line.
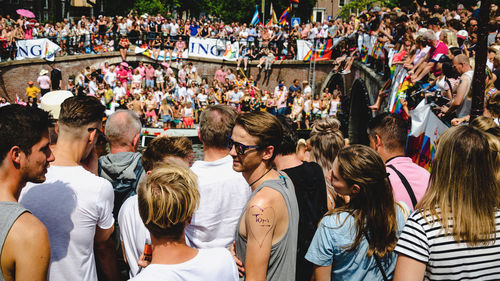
(27,228)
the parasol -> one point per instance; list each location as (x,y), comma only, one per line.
(25,13)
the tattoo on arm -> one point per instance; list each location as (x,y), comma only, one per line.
(260,222)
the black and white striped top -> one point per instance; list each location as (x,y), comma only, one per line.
(445,258)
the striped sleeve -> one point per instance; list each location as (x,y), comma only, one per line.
(413,242)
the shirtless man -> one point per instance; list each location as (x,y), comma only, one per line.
(137,106)
(24,147)
(271,215)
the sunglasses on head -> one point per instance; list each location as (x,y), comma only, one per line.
(239,147)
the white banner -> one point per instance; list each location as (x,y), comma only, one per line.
(212,48)
(162,55)
(424,121)
(36,48)
(303,47)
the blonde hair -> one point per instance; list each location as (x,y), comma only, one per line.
(326,141)
(494,142)
(483,123)
(463,191)
(168,200)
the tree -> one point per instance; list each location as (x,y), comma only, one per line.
(151,7)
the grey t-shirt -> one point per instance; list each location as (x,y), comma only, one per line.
(282,261)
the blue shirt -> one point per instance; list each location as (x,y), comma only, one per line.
(193,30)
(334,236)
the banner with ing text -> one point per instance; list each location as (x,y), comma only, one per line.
(219,49)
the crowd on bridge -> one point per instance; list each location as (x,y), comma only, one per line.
(80,200)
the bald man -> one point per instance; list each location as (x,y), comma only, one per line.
(122,167)
(460,105)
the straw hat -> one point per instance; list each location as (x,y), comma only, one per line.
(43,72)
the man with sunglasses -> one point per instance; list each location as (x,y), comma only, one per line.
(271,217)
(74,203)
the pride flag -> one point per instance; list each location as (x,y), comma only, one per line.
(322,52)
(255,18)
(284,16)
(425,130)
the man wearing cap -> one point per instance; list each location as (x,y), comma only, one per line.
(32,91)
(44,82)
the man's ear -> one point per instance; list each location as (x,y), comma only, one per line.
(135,141)
(15,154)
(56,127)
(378,141)
(268,152)
(93,135)
(355,189)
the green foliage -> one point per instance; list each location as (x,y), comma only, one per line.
(361,5)
(151,7)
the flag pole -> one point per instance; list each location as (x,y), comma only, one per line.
(264,12)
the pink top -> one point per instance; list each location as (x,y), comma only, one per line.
(150,73)
(142,70)
(220,75)
(417,177)
(44,82)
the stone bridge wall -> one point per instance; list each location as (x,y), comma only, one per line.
(14,75)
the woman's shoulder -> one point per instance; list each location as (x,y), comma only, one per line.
(338,219)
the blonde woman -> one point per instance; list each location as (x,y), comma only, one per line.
(326,141)
(452,233)
(356,241)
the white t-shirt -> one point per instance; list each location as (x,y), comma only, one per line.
(110,78)
(71,203)
(133,233)
(119,92)
(208,265)
(223,195)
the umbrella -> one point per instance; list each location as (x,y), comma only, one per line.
(25,13)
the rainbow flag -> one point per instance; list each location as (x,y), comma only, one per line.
(284,16)
(322,52)
(364,54)
(396,107)
(425,130)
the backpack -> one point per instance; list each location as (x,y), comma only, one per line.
(124,188)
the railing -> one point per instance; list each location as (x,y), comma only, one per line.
(99,43)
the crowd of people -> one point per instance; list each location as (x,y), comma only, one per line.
(166,98)
(261,204)
(79,201)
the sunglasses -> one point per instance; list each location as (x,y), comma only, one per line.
(239,147)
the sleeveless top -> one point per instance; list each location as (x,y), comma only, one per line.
(9,212)
(282,261)
(465,107)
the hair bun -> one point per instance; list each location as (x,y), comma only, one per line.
(326,126)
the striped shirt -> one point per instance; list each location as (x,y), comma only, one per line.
(445,258)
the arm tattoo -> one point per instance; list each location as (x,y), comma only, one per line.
(261,222)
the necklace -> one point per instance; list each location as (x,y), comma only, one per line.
(260,177)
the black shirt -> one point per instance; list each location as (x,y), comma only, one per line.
(310,190)
(55,78)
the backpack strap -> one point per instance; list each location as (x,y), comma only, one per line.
(377,260)
(138,172)
(406,184)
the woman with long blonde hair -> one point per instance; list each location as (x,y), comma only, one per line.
(326,141)
(356,241)
(452,233)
